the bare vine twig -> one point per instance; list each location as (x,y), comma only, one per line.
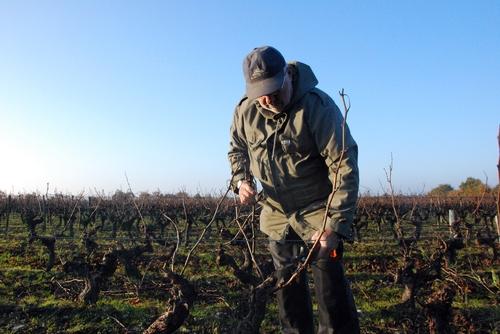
(143,224)
(219,203)
(172,261)
(336,185)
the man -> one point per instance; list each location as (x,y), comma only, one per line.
(288,134)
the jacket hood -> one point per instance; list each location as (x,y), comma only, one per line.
(303,80)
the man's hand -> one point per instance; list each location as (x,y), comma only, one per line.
(328,242)
(247,193)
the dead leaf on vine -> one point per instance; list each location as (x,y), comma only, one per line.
(134,301)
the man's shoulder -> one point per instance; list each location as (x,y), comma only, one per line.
(317,95)
(244,99)
(243,104)
(317,103)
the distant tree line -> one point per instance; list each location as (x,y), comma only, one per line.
(470,187)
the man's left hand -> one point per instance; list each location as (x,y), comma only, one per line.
(329,241)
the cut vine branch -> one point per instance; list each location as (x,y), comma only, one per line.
(336,185)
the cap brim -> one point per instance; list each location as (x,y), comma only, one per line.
(266,86)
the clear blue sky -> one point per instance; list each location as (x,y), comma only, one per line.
(91,90)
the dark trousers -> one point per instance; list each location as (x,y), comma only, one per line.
(337,311)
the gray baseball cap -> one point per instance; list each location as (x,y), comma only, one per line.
(264,71)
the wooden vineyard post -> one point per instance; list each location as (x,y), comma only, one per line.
(497,218)
(453,222)
(497,221)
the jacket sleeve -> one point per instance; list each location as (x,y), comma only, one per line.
(326,128)
(238,153)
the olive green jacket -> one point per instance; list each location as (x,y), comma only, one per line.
(294,155)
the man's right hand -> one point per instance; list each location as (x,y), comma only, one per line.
(247,193)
